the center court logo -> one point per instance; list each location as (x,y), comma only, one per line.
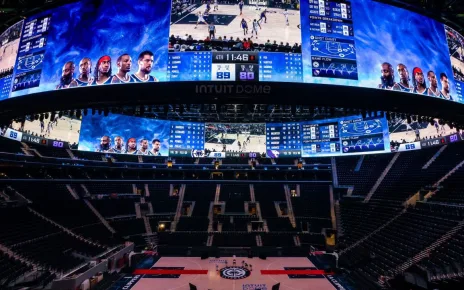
(234,273)
(233,89)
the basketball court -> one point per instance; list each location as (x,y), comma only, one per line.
(175,273)
(67,129)
(227,21)
(256,144)
(405,131)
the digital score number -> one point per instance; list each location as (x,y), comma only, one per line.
(235,66)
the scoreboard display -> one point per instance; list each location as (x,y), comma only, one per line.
(283,139)
(360,43)
(235,66)
(320,138)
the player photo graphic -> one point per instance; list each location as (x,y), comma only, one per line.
(145,62)
(131,146)
(404,85)
(104,145)
(102,73)
(155,147)
(85,72)
(445,87)
(433,89)
(387,78)
(124,64)
(418,80)
(144,148)
(118,145)
(67,76)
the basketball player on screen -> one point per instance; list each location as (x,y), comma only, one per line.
(145,62)
(104,145)
(144,148)
(102,71)
(85,72)
(254,28)
(67,76)
(244,26)
(419,82)
(200,19)
(131,146)
(155,150)
(388,77)
(240,5)
(445,88)
(403,85)
(433,90)
(118,145)
(124,64)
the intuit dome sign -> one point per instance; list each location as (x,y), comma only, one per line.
(237,89)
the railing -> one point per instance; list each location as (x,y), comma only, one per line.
(180,202)
(426,252)
(148,229)
(218,193)
(70,154)
(332,208)
(434,157)
(359,164)
(448,174)
(338,216)
(209,243)
(210,217)
(252,193)
(100,217)
(334,171)
(72,192)
(68,231)
(138,212)
(371,233)
(288,197)
(381,177)
(147,190)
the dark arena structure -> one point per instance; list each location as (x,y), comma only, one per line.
(231,145)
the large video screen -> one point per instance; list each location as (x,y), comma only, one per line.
(360,43)
(343,136)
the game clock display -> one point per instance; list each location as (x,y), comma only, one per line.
(235,66)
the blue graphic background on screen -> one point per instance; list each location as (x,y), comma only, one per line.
(189,66)
(118,26)
(96,126)
(280,67)
(187,135)
(384,33)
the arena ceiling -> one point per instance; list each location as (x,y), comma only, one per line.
(449,11)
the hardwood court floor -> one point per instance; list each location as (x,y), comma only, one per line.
(212,280)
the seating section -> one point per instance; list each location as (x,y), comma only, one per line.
(51,152)
(362,180)
(128,227)
(281,224)
(314,201)
(192,224)
(96,233)
(109,207)
(266,194)
(279,240)
(235,223)
(202,195)
(160,199)
(58,251)
(11,269)
(84,155)
(452,189)
(10,146)
(234,240)
(399,241)
(235,196)
(183,239)
(109,188)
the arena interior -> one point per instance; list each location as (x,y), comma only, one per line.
(177,186)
